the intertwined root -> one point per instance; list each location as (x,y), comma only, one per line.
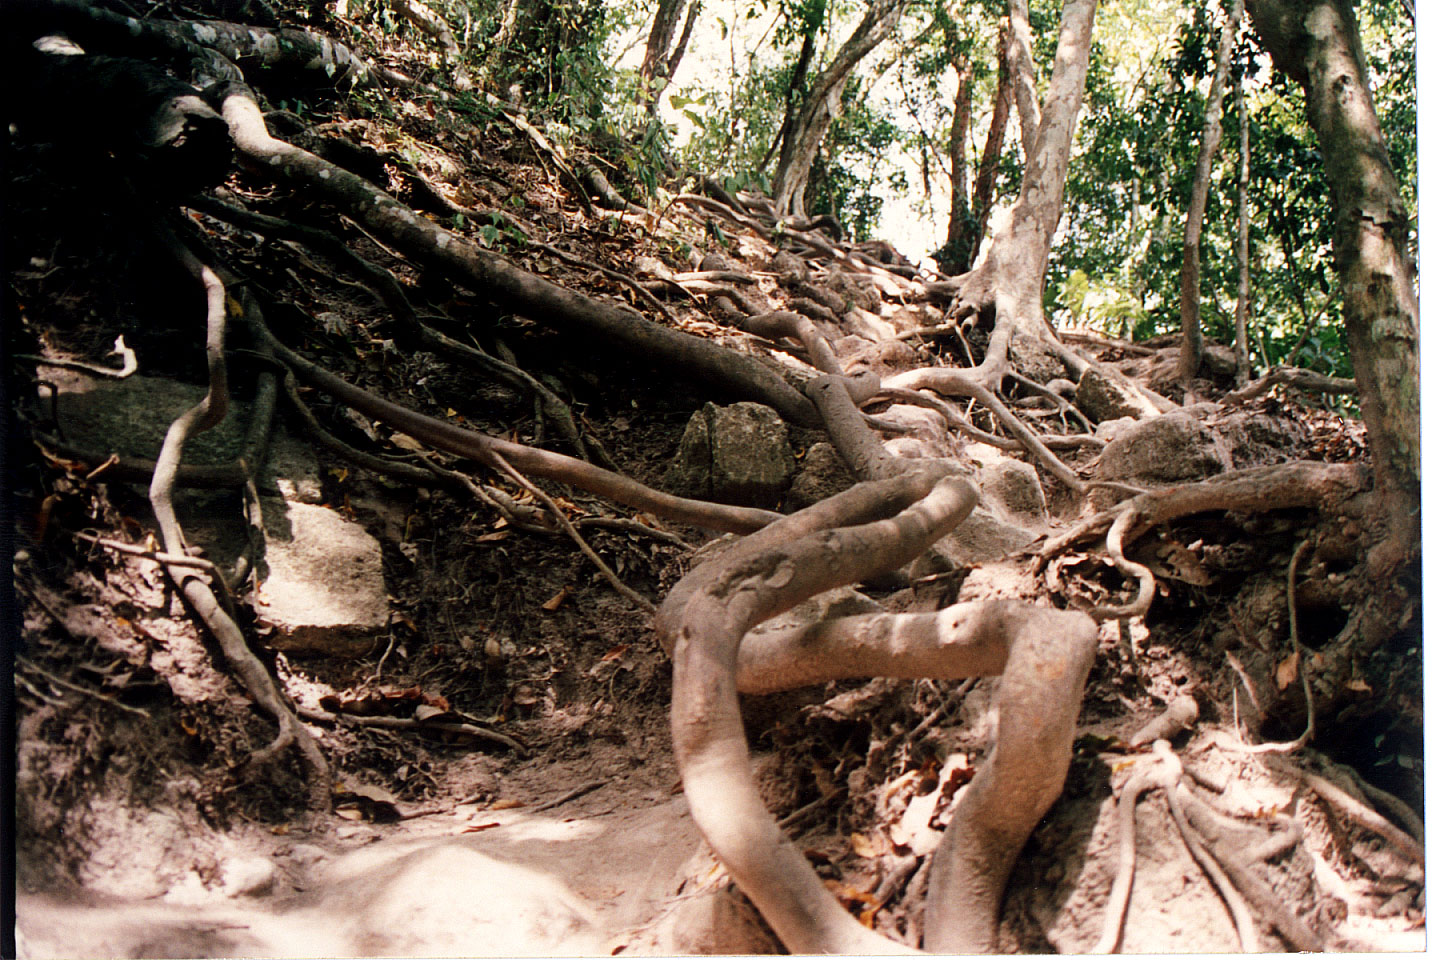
(872,528)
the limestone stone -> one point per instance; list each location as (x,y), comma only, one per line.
(982,538)
(822,474)
(1167,449)
(738,454)
(321,582)
(130,417)
(1011,488)
(1100,397)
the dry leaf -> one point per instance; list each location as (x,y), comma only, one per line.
(508,803)
(1287,670)
(1359,686)
(554,602)
(863,846)
(406,442)
(615,653)
(493,536)
(476,828)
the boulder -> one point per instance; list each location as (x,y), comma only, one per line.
(321,581)
(739,454)
(1168,449)
(1102,397)
(822,474)
(1011,489)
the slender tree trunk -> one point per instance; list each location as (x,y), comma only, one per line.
(1021,60)
(659,65)
(984,190)
(822,105)
(1192,342)
(1242,247)
(792,93)
(678,53)
(1317,43)
(957,236)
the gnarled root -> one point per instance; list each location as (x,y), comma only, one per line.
(707,624)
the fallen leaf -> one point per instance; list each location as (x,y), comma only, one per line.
(507,804)
(476,828)
(615,653)
(1359,686)
(1287,670)
(863,846)
(406,442)
(554,602)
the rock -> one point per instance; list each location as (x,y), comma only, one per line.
(885,358)
(788,266)
(247,876)
(739,454)
(322,581)
(714,923)
(1011,489)
(1102,397)
(822,474)
(1167,449)
(131,417)
(983,537)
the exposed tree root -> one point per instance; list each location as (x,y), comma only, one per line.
(482,448)
(706,622)
(615,327)
(1297,377)
(201,598)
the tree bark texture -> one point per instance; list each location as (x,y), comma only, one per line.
(1192,341)
(662,31)
(1317,43)
(1242,247)
(822,105)
(983,193)
(959,231)
(1020,58)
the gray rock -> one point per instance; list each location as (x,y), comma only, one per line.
(1102,397)
(739,454)
(131,416)
(1011,488)
(822,474)
(982,538)
(247,877)
(1167,449)
(322,582)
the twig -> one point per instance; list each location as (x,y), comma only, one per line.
(569,795)
(129,366)
(801,814)
(575,535)
(410,723)
(1227,742)
(159,556)
(28,664)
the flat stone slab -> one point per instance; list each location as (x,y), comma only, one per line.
(130,417)
(737,454)
(322,581)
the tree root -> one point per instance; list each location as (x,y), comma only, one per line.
(201,598)
(706,622)
(1297,377)
(573,534)
(483,448)
(614,326)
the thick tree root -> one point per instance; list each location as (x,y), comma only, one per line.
(201,598)
(707,623)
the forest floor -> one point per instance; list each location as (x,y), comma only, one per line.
(144,832)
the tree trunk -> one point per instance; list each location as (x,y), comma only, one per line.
(1021,60)
(1317,43)
(822,105)
(957,236)
(1242,247)
(1192,342)
(984,190)
(678,52)
(662,31)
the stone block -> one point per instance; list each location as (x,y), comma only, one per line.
(1102,397)
(1167,449)
(738,454)
(322,581)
